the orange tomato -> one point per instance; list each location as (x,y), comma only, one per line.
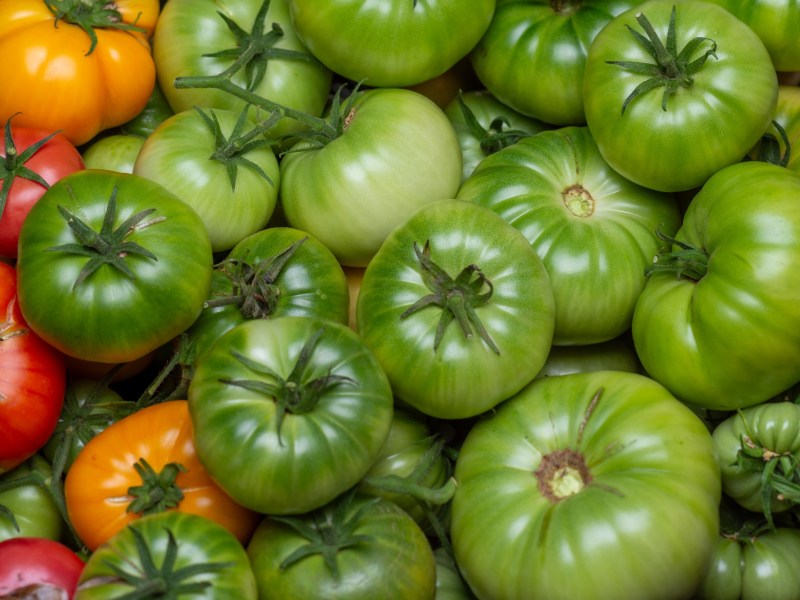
(56,80)
(98,485)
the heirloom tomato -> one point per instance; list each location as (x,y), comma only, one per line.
(274,272)
(718,321)
(111,266)
(594,230)
(27,506)
(676,90)
(394,151)
(394,43)
(32,567)
(169,555)
(354,548)
(289,413)
(253,41)
(217,162)
(759,455)
(32,380)
(532,57)
(116,152)
(772,145)
(589,485)
(76,66)
(458,309)
(32,160)
(143,464)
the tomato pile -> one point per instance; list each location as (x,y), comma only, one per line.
(494,299)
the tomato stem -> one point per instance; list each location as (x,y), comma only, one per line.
(91,14)
(689,261)
(496,136)
(159,491)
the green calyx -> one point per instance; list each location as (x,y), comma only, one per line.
(688,261)
(670,69)
(88,15)
(231,151)
(328,531)
(149,580)
(296,394)
(13,163)
(108,246)
(254,286)
(496,136)
(458,298)
(158,491)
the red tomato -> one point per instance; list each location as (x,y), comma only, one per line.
(33,567)
(32,380)
(32,160)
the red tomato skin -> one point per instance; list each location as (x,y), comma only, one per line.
(55,159)
(37,564)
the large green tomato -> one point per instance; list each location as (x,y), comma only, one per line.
(718,322)
(27,507)
(201,38)
(759,454)
(533,55)
(397,152)
(209,159)
(289,413)
(671,127)
(354,548)
(170,554)
(458,309)
(390,43)
(591,485)
(594,230)
(274,272)
(111,266)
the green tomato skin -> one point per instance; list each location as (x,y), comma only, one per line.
(177,154)
(642,527)
(156,111)
(613,355)
(35,512)
(486,109)
(594,230)
(390,43)
(731,339)
(463,377)
(199,540)
(533,55)
(705,127)
(398,153)
(396,563)
(188,30)
(116,152)
(319,453)
(772,426)
(754,569)
(108,317)
(449,584)
(776,23)
(312,283)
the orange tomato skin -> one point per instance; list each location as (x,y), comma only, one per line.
(96,486)
(47,76)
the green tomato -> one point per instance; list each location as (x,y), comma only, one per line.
(533,55)
(169,554)
(204,38)
(594,230)
(590,485)
(484,125)
(458,309)
(669,131)
(155,112)
(772,146)
(355,548)
(718,322)
(27,507)
(612,355)
(397,153)
(274,272)
(302,394)
(207,159)
(115,152)
(393,43)
(111,266)
(759,453)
